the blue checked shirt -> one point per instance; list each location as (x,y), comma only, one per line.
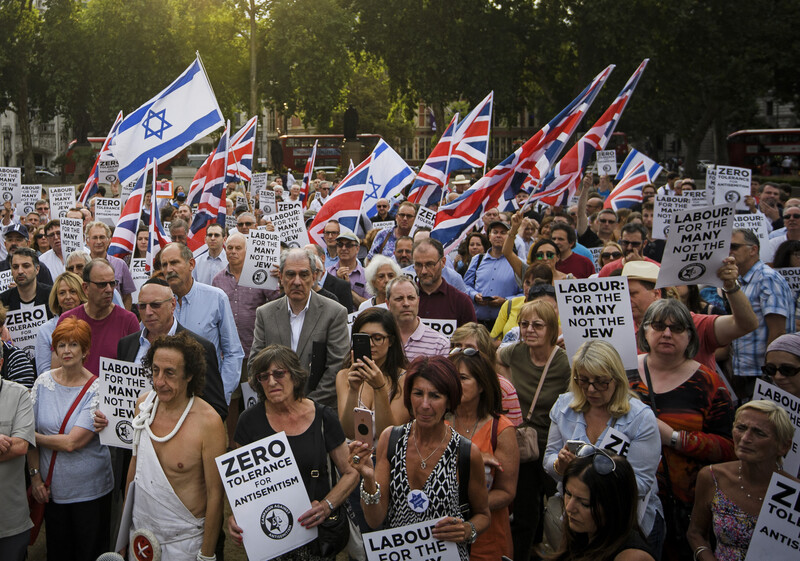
(494,277)
(769,293)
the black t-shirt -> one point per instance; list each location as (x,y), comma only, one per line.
(307,447)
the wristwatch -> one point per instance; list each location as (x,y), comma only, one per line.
(736,287)
(473,535)
(33,471)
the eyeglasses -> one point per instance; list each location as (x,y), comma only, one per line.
(603,463)
(276,374)
(537,325)
(377,338)
(102,284)
(662,326)
(406,216)
(53,235)
(75,268)
(346,244)
(427,265)
(611,255)
(792,216)
(540,289)
(545,255)
(626,243)
(604,221)
(154,305)
(786,370)
(599,385)
(247,224)
(466,351)
(737,246)
(304,274)
(331,233)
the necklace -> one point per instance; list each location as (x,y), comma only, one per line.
(475,426)
(760,499)
(424,461)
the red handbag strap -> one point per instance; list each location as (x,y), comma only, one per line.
(64,426)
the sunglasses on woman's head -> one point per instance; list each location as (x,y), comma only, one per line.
(603,463)
(541,289)
(786,370)
(466,351)
(545,255)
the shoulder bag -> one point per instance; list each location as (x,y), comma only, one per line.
(334,532)
(527,438)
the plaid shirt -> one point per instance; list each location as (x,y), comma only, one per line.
(769,293)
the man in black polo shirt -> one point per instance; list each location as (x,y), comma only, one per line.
(28,291)
(437,299)
(15,236)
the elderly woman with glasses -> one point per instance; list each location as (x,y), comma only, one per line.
(378,273)
(692,406)
(601,409)
(314,435)
(782,363)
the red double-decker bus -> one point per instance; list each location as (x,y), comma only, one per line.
(296,149)
(762,150)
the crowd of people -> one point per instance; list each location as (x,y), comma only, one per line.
(411,384)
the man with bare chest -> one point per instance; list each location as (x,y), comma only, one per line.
(178,492)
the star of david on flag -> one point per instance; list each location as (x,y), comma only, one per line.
(388,174)
(149,130)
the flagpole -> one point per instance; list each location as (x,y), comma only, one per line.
(488,135)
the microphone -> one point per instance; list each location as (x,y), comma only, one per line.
(110,556)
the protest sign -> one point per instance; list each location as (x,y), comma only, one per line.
(127,188)
(107,171)
(663,208)
(263,251)
(6,278)
(258,181)
(266,201)
(164,189)
(107,210)
(775,535)
(697,244)
(350,319)
(10,180)
(711,183)
(444,326)
(383,225)
(792,276)
(29,194)
(249,397)
(290,225)
(607,162)
(230,222)
(266,493)
(71,235)
(596,251)
(698,198)
(425,218)
(616,441)
(23,326)
(731,186)
(765,390)
(756,223)
(121,383)
(61,200)
(414,542)
(597,309)
(289,205)
(140,275)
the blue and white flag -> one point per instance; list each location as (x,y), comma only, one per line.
(388,174)
(184,112)
(651,168)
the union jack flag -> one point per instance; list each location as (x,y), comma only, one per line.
(471,138)
(628,192)
(344,204)
(634,159)
(429,185)
(240,153)
(502,183)
(307,175)
(199,181)
(212,203)
(124,239)
(561,183)
(92,185)
(157,238)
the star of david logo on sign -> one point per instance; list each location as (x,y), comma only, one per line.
(156,117)
(418,501)
(277,521)
(375,188)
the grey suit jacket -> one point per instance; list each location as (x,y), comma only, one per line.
(325,321)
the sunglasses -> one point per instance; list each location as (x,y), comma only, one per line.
(599,385)
(276,374)
(629,243)
(603,463)
(612,255)
(103,284)
(662,326)
(537,325)
(792,216)
(466,351)
(786,370)
(346,244)
(545,255)
(154,305)
(604,221)
(736,246)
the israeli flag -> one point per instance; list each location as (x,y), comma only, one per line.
(634,159)
(184,112)
(388,174)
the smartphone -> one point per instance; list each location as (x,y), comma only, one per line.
(364,424)
(361,346)
(574,445)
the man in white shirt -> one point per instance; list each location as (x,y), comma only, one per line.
(207,265)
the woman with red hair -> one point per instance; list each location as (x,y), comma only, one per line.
(70,469)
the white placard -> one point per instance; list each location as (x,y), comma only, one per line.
(425,218)
(663,208)
(71,235)
(107,171)
(290,225)
(121,383)
(10,181)
(29,194)
(444,326)
(697,245)
(230,222)
(383,225)
(289,205)
(731,186)
(61,200)
(596,251)
(765,390)
(140,275)
(258,181)
(757,223)
(107,210)
(23,326)
(607,162)
(711,183)
(775,535)
(616,441)
(414,542)
(127,188)
(6,278)
(792,276)
(350,319)
(266,493)
(249,397)
(698,198)
(263,252)
(597,309)
(266,202)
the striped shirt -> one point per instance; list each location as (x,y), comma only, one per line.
(425,342)
(17,367)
